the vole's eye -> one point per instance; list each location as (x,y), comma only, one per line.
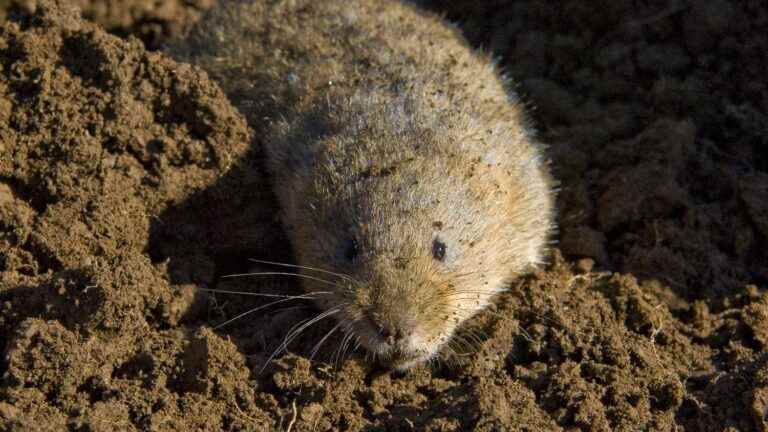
(438,249)
(352,249)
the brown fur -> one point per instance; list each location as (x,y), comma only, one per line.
(384,131)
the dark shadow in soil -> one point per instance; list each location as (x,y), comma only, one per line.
(214,232)
(225,224)
(212,236)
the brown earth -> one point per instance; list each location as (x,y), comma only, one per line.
(128,182)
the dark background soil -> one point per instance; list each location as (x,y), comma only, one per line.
(128,182)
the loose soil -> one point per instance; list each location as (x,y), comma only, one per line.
(129,185)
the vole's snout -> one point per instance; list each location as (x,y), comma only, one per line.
(397,339)
(394,334)
(391,335)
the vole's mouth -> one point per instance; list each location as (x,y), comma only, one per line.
(406,361)
(398,350)
(400,358)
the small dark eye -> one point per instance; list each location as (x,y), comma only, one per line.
(438,250)
(352,249)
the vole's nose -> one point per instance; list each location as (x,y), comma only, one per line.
(393,335)
(394,329)
(393,332)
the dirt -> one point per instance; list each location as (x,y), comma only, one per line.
(151,21)
(129,185)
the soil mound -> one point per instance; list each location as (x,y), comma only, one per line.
(128,184)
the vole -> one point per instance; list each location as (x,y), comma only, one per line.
(404,166)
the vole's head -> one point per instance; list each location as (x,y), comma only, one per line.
(421,224)
(418,255)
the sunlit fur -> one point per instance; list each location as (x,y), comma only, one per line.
(381,126)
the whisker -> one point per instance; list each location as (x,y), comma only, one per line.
(277,350)
(458,293)
(338,352)
(289,338)
(527,336)
(347,353)
(460,343)
(458,360)
(346,343)
(340,344)
(259,294)
(471,291)
(458,350)
(295,333)
(461,275)
(299,275)
(474,340)
(294,328)
(435,362)
(248,312)
(465,295)
(452,356)
(317,346)
(341,275)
